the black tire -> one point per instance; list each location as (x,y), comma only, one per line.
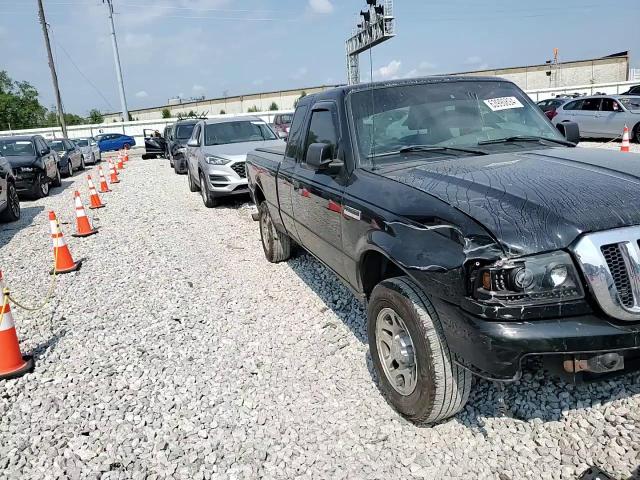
(40,187)
(126,146)
(192,185)
(82,164)
(636,133)
(175,168)
(57,181)
(12,212)
(276,245)
(172,163)
(207,198)
(441,386)
(70,169)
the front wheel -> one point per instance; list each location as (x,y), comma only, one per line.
(70,168)
(82,164)
(636,133)
(41,186)
(276,245)
(208,199)
(410,353)
(193,187)
(12,212)
(57,181)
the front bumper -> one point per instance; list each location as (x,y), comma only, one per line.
(25,182)
(227,179)
(496,349)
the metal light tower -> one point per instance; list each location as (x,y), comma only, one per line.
(378,25)
(116,57)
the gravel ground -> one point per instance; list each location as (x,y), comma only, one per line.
(610,145)
(177,351)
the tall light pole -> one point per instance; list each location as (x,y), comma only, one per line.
(116,57)
(52,67)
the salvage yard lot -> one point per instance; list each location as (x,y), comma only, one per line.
(177,351)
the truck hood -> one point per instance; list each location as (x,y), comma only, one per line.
(21,160)
(534,201)
(238,151)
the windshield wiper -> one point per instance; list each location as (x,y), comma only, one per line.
(526,138)
(439,148)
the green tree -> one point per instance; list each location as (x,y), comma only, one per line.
(166,113)
(222,112)
(274,106)
(95,116)
(19,104)
(252,109)
(191,114)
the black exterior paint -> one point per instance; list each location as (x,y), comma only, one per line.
(439,217)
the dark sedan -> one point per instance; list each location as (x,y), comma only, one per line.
(71,157)
(34,164)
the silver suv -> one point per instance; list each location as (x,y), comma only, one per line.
(216,154)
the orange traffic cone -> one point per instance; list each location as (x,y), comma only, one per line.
(625,140)
(104,186)
(61,253)
(126,155)
(114,173)
(93,195)
(83,227)
(12,363)
(120,160)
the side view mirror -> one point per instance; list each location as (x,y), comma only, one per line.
(570,130)
(45,151)
(319,156)
(93,144)
(193,142)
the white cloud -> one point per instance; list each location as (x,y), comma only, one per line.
(321,6)
(138,40)
(198,88)
(300,73)
(142,94)
(388,71)
(423,68)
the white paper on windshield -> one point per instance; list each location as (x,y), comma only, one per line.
(503,103)
(258,123)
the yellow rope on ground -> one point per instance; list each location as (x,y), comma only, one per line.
(6,295)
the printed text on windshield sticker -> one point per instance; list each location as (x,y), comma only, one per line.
(503,103)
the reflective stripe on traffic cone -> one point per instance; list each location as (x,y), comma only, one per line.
(114,173)
(61,253)
(625,140)
(104,186)
(83,227)
(12,363)
(120,160)
(93,195)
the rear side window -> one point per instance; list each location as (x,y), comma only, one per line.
(295,134)
(577,105)
(322,129)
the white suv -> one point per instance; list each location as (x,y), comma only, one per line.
(216,154)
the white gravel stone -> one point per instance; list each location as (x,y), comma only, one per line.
(177,351)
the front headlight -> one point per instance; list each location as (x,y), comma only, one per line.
(547,278)
(181,150)
(211,160)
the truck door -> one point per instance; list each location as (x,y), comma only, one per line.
(317,195)
(293,154)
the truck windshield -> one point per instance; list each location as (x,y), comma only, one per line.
(237,132)
(448,114)
(15,148)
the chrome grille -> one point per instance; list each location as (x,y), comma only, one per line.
(240,169)
(610,262)
(615,262)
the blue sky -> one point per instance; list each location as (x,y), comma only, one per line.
(207,47)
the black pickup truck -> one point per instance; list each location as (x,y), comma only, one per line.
(474,230)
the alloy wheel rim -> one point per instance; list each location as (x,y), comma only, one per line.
(266,230)
(396,351)
(70,169)
(44,187)
(203,192)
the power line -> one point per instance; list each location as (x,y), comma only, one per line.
(55,41)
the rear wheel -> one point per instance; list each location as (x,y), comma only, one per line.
(12,212)
(126,146)
(416,369)
(208,199)
(276,245)
(636,133)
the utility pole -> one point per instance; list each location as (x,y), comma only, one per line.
(52,67)
(116,57)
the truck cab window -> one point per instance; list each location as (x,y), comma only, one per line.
(322,129)
(293,145)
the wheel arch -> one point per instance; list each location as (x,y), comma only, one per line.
(374,266)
